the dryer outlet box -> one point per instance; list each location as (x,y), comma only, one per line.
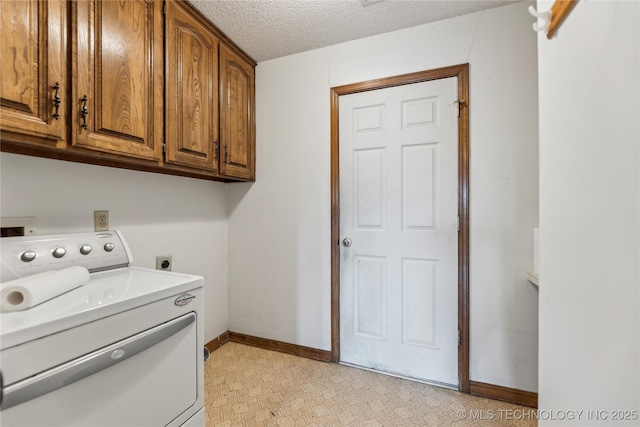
(163,263)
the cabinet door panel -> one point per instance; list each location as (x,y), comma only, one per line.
(118,67)
(192,91)
(237,127)
(33,61)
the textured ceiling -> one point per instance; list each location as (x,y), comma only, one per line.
(268,29)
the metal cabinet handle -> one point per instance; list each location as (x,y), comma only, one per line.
(226,153)
(90,364)
(84,112)
(216,148)
(56,100)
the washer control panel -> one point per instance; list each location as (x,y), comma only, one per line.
(96,251)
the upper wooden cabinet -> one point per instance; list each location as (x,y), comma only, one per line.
(117,91)
(237,110)
(202,130)
(33,79)
(191,102)
(150,85)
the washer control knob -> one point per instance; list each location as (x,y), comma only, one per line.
(28,256)
(59,252)
(109,246)
(85,249)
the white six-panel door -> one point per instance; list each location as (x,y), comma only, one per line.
(398,201)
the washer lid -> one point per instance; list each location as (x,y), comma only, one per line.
(106,293)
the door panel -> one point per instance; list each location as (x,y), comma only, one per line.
(236,116)
(118,77)
(419,203)
(150,388)
(33,70)
(419,302)
(398,195)
(192,91)
(369,188)
(370,296)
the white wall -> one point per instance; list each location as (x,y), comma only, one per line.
(589,213)
(279,227)
(158,215)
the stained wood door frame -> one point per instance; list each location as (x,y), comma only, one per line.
(460,71)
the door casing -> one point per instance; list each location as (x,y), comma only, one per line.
(460,71)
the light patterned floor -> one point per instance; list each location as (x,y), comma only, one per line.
(248,386)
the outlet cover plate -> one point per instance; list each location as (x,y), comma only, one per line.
(101,220)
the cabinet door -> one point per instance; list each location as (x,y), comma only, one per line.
(237,125)
(33,71)
(118,77)
(191,102)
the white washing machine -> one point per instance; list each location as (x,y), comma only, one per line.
(124,349)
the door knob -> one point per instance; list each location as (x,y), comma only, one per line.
(346,242)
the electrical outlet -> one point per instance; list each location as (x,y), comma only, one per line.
(163,263)
(101,220)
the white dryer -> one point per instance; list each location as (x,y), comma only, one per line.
(124,349)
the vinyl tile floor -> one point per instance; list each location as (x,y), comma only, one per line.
(248,386)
